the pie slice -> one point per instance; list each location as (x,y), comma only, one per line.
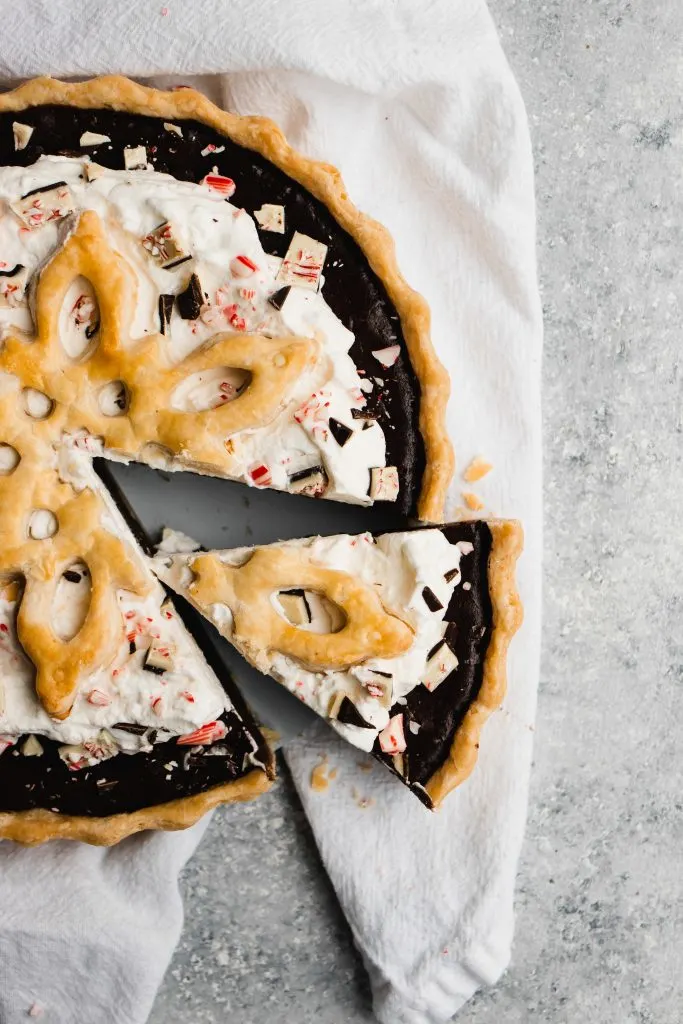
(111,718)
(182,288)
(398,639)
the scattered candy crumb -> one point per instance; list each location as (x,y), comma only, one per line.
(477,469)
(365,766)
(35,1010)
(362,801)
(473,502)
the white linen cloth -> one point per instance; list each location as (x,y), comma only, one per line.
(416,105)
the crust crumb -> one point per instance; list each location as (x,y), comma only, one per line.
(365,766)
(477,469)
(322,775)
(473,502)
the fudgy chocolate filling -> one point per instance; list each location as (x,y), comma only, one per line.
(440,712)
(353,291)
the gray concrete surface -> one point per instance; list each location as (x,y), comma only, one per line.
(600,904)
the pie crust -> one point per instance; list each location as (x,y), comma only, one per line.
(325,183)
(508,540)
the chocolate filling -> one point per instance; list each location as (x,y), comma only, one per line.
(351,288)
(439,713)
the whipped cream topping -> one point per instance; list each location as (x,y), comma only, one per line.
(400,566)
(174,702)
(237,279)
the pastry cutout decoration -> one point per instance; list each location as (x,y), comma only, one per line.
(369,631)
(50,527)
(139,369)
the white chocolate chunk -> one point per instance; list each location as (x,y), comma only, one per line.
(176,129)
(31,747)
(13,287)
(42,524)
(439,667)
(271,217)
(303,262)
(44,205)
(135,158)
(295,607)
(384,483)
(387,356)
(164,246)
(93,139)
(93,171)
(392,739)
(22,134)
(159,657)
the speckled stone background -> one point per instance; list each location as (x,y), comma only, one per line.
(600,903)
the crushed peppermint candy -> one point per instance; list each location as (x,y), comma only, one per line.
(303,262)
(260,475)
(212,148)
(209,733)
(99,698)
(219,183)
(392,739)
(242,266)
(13,283)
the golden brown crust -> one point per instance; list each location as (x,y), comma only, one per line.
(324,182)
(34,827)
(507,618)
(258,631)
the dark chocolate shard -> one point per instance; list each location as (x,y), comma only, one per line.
(131,647)
(431,600)
(131,727)
(191,300)
(311,481)
(165,310)
(177,263)
(350,715)
(363,414)
(92,329)
(340,432)
(451,574)
(72,576)
(44,188)
(13,272)
(278,298)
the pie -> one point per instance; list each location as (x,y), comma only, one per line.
(398,639)
(181,288)
(178,287)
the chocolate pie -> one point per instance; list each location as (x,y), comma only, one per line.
(179,287)
(399,639)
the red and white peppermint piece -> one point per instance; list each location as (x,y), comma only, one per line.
(259,474)
(271,217)
(212,148)
(387,356)
(384,483)
(156,705)
(99,698)
(209,733)
(219,183)
(242,266)
(392,739)
(5,743)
